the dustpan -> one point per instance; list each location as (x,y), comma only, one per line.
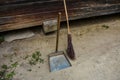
(57,59)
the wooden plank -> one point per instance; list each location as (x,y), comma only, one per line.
(5,2)
(17,16)
(23,1)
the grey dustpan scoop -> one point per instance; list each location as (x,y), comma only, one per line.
(58,60)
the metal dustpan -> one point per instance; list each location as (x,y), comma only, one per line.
(58,60)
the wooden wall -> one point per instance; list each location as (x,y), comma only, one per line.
(17,14)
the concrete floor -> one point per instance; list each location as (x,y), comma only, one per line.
(97,51)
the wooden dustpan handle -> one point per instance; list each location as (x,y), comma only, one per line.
(58,29)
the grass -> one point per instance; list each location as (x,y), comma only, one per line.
(8,72)
(36,58)
(105,26)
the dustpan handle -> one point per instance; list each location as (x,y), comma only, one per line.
(58,28)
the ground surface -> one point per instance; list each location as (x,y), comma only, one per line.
(97,49)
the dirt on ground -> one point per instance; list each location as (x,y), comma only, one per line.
(96,43)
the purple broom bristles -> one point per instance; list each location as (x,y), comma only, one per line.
(70,50)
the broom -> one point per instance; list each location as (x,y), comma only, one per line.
(70,50)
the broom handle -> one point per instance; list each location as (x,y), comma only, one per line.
(66,13)
(58,29)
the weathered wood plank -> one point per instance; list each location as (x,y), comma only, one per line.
(23,1)
(17,16)
(5,2)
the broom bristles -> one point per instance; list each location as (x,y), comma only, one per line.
(70,50)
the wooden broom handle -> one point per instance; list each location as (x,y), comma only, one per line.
(66,13)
